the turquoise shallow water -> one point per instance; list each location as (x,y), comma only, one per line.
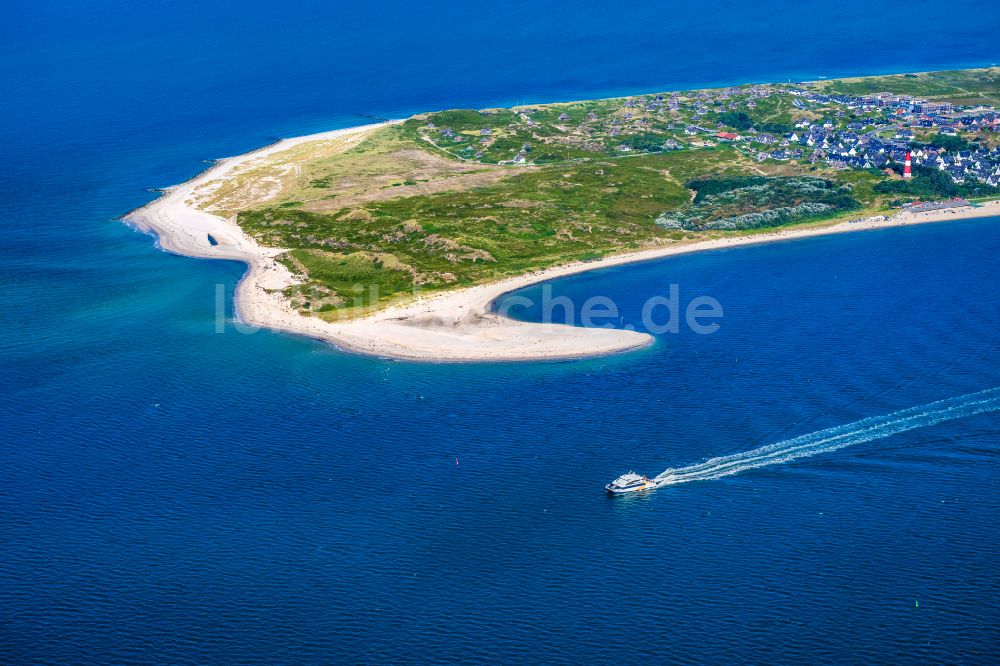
(169,494)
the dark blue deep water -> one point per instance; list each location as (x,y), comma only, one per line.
(169,494)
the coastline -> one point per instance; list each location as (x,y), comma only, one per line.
(451,326)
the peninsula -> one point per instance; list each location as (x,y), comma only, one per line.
(395,239)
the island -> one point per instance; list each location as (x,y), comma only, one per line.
(396,238)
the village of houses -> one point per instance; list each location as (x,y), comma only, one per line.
(872,131)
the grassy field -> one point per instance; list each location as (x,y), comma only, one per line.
(527,220)
(439,200)
(967,87)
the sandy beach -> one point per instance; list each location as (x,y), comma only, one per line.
(451,326)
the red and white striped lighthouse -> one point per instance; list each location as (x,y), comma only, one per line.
(907,168)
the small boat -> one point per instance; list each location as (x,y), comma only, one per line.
(630,483)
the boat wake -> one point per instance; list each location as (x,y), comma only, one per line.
(839,437)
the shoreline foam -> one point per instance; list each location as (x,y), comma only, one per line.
(451,326)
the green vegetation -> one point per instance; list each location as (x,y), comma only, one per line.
(738,203)
(529,220)
(951,143)
(929,183)
(975,86)
(460,197)
(706,187)
(774,128)
(340,279)
(740,120)
(926,182)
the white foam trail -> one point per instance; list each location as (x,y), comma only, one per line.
(831,439)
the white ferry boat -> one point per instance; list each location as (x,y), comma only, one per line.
(630,483)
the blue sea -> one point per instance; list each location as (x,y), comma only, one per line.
(170,494)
